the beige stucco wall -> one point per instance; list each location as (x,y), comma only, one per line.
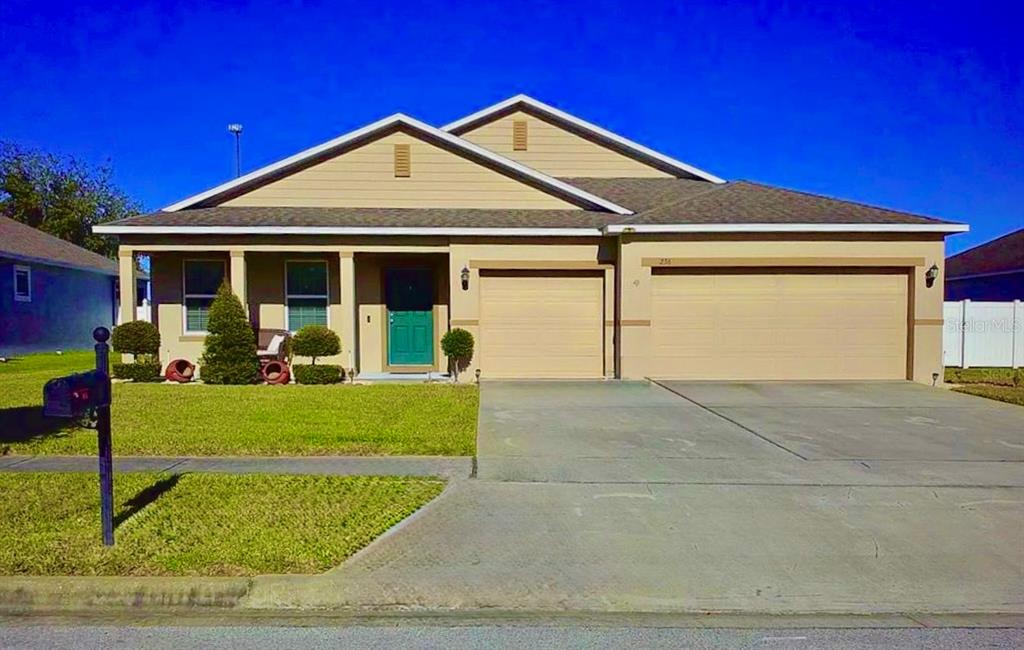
(265,298)
(553,253)
(555,151)
(459,307)
(365,178)
(914,254)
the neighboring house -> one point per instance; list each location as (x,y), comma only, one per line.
(992,271)
(566,250)
(52,293)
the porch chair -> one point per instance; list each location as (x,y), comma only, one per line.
(272,345)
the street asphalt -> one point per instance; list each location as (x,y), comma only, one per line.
(459,637)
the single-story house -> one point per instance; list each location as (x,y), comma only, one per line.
(568,251)
(52,293)
(993,271)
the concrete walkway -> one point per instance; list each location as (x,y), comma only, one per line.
(452,467)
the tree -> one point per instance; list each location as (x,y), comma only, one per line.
(229,354)
(315,341)
(457,345)
(61,196)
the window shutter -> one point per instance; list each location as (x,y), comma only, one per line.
(519,135)
(403,162)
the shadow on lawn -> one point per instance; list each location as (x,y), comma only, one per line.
(145,497)
(27,423)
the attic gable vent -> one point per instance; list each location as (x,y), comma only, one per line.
(519,135)
(403,161)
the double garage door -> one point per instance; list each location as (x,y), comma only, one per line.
(716,324)
(789,325)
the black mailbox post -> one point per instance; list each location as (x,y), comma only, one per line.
(88,393)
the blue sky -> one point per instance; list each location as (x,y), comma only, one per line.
(915,106)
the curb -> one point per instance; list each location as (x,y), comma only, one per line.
(49,593)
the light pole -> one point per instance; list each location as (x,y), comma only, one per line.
(237,130)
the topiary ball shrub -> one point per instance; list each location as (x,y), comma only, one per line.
(229,353)
(315,341)
(139,371)
(457,345)
(322,374)
(137,337)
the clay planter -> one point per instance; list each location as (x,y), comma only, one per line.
(275,372)
(180,370)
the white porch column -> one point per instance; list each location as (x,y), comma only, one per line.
(126,278)
(238,277)
(349,309)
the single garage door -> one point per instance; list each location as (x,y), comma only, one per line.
(791,324)
(541,324)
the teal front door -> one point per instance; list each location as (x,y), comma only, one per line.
(410,302)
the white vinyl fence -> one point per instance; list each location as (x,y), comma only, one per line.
(142,312)
(983,334)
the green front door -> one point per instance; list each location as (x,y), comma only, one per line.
(410,302)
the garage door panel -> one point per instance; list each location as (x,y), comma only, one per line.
(536,325)
(777,325)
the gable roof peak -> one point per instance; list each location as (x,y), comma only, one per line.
(631,148)
(547,183)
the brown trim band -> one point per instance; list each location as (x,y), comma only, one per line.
(929,321)
(635,323)
(465,322)
(538,265)
(782,261)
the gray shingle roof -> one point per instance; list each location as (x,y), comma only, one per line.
(748,202)
(27,243)
(374,217)
(639,194)
(655,201)
(1000,255)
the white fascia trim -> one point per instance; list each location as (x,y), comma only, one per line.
(399,118)
(787,227)
(587,126)
(346,230)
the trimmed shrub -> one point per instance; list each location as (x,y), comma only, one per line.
(993,376)
(229,354)
(315,341)
(136,337)
(457,345)
(322,374)
(139,371)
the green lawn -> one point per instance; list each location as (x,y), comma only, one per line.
(197,420)
(1003,384)
(1011,394)
(198,524)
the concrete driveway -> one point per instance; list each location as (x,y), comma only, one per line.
(690,432)
(756,498)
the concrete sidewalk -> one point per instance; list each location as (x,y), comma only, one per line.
(451,467)
(685,548)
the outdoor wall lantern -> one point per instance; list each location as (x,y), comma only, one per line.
(478,375)
(465,278)
(931,275)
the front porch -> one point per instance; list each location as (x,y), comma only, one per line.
(389,305)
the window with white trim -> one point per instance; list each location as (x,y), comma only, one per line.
(22,283)
(201,280)
(305,293)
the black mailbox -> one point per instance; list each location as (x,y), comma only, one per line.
(72,396)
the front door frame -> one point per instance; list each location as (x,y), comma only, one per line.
(386,272)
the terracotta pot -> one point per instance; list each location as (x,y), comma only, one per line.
(180,370)
(275,372)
